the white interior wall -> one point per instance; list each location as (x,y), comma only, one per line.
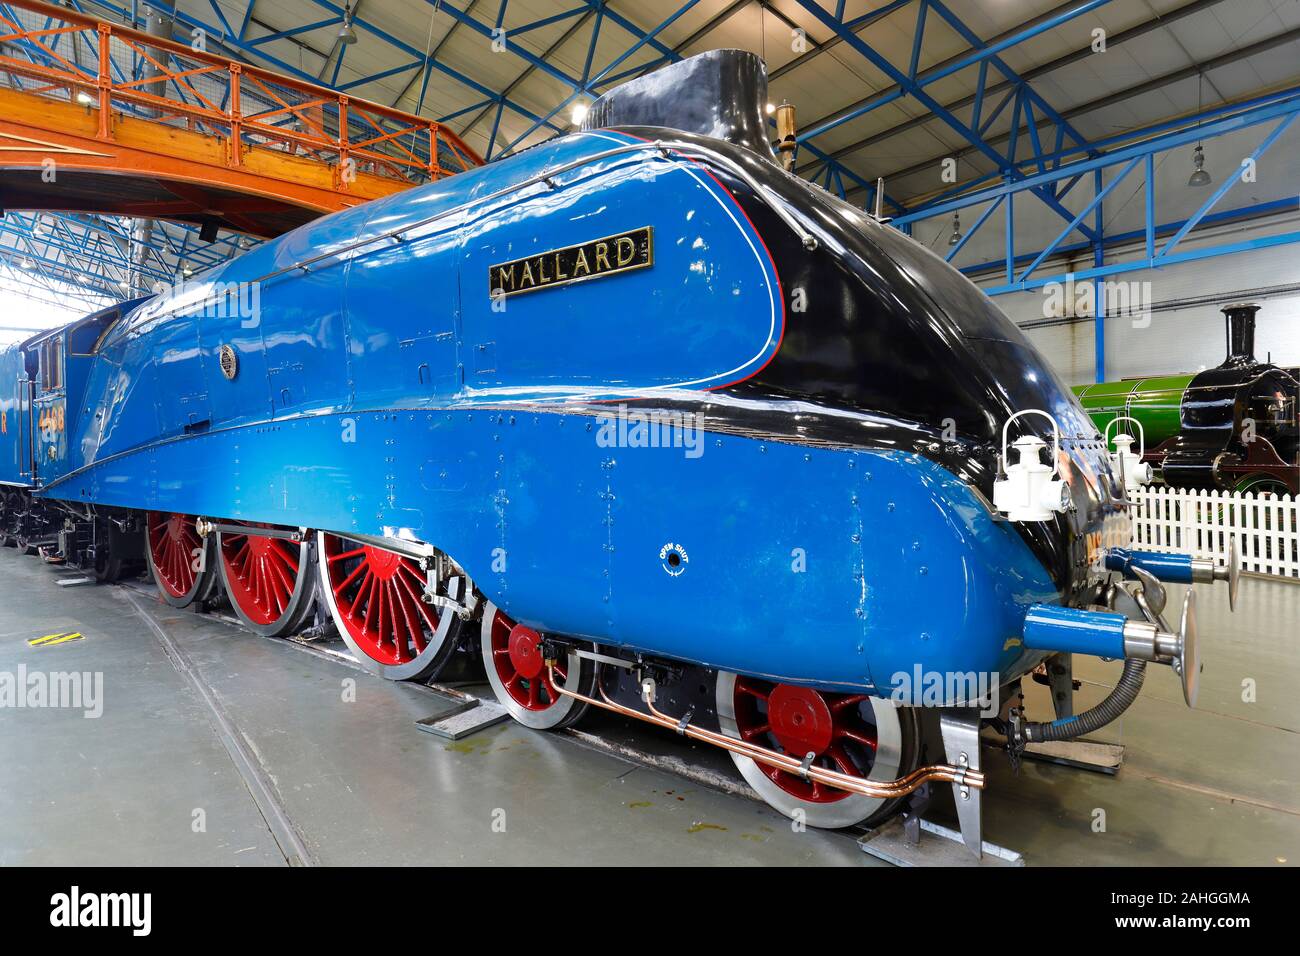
(1182,339)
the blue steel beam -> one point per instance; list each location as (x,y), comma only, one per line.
(1150,230)
(1258,48)
(1024,94)
(578,86)
(47,290)
(1100,146)
(89,245)
(40,266)
(981,56)
(1283,113)
(914,86)
(983,90)
(360,23)
(1098,287)
(103,242)
(585,86)
(572,30)
(1228,183)
(1269,109)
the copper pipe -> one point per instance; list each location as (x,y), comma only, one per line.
(943,773)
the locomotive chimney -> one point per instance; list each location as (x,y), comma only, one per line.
(721,94)
(786,144)
(1241,333)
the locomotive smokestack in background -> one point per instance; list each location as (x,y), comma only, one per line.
(721,94)
(1241,333)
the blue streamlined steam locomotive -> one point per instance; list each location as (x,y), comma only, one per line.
(640,419)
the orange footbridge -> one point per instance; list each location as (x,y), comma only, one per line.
(99,118)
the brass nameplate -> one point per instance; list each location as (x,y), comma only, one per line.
(634,249)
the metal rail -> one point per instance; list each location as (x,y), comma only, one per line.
(243,105)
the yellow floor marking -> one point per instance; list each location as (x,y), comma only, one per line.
(49,640)
(63,640)
(48,637)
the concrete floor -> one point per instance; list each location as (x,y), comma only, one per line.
(217,747)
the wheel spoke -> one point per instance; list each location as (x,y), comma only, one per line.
(281,576)
(282,552)
(866,738)
(369,585)
(396,626)
(359,569)
(411,615)
(842,760)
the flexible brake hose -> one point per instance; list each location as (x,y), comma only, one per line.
(1117,701)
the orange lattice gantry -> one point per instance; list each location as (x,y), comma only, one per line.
(191,136)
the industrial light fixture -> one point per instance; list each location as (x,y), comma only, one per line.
(85,99)
(771,108)
(1199,176)
(346,33)
(186,272)
(579,113)
(956,230)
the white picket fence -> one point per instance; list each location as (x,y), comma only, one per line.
(1267,527)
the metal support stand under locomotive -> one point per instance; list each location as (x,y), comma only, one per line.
(644,423)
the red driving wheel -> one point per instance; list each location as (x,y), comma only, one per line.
(799,720)
(175,555)
(265,578)
(376,597)
(517,657)
(516,669)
